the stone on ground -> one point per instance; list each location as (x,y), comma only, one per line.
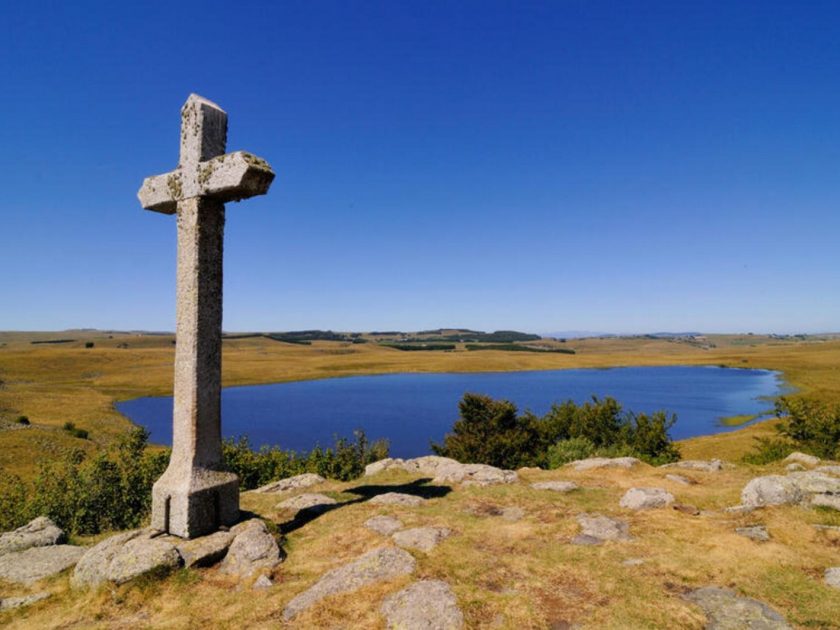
(601,528)
(421,538)
(757,533)
(309,501)
(262,583)
(92,569)
(378,565)
(36,563)
(298,482)
(203,551)
(8,603)
(794,467)
(428,464)
(812,482)
(593,463)
(832,577)
(646,498)
(826,500)
(726,610)
(474,475)
(253,549)
(713,465)
(802,458)
(556,486)
(771,490)
(828,470)
(140,556)
(680,479)
(425,605)
(385,525)
(383,464)
(397,498)
(39,532)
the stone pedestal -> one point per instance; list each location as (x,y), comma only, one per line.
(195,502)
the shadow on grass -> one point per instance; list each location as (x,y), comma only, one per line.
(418,488)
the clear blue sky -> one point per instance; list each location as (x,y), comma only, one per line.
(615,166)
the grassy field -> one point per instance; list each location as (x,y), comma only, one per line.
(55,383)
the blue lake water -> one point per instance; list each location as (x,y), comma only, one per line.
(413,409)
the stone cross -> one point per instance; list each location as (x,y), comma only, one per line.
(195,496)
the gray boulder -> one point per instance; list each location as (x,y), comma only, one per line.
(593,463)
(36,563)
(385,563)
(794,467)
(646,498)
(812,481)
(397,498)
(203,551)
(262,583)
(474,475)
(596,529)
(826,500)
(771,490)
(829,470)
(310,501)
(140,556)
(9,603)
(712,465)
(253,549)
(39,532)
(92,568)
(383,464)
(832,577)
(802,458)
(421,538)
(555,486)
(425,605)
(298,482)
(428,464)
(726,610)
(385,525)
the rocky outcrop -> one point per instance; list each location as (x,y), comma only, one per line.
(596,529)
(421,538)
(253,549)
(802,458)
(40,532)
(385,563)
(36,563)
(713,465)
(92,569)
(141,556)
(726,610)
(383,464)
(593,463)
(9,603)
(555,486)
(646,498)
(397,498)
(794,488)
(425,605)
(446,470)
(204,551)
(385,525)
(298,482)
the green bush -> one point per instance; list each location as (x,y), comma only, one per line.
(89,344)
(768,450)
(73,430)
(570,450)
(23,420)
(814,427)
(14,510)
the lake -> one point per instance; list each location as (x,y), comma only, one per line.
(413,409)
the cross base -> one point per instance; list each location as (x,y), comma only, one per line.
(194,504)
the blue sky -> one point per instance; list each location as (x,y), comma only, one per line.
(615,166)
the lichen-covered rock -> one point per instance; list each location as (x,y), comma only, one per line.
(802,458)
(713,465)
(140,556)
(385,563)
(726,610)
(421,538)
(253,549)
(428,464)
(9,603)
(555,486)
(385,525)
(383,464)
(771,490)
(826,500)
(832,577)
(474,475)
(298,482)
(36,563)
(39,532)
(310,501)
(397,498)
(92,568)
(425,605)
(646,498)
(593,463)
(794,467)
(829,470)
(596,528)
(204,551)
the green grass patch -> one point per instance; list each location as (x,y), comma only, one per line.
(737,421)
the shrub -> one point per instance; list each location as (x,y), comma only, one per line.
(89,344)
(14,510)
(812,426)
(769,450)
(73,430)
(566,451)
(23,420)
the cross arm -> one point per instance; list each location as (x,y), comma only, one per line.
(229,177)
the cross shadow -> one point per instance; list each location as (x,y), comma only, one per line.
(418,487)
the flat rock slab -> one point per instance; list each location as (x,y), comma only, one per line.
(425,605)
(830,469)
(298,482)
(140,556)
(381,564)
(39,532)
(397,498)
(832,577)
(826,500)
(421,538)
(646,498)
(10,603)
(36,563)
(309,501)
(555,486)
(757,533)
(602,528)
(680,479)
(593,463)
(92,569)
(385,525)
(383,464)
(726,610)
(794,488)
(203,551)
(253,549)
(474,475)
(713,465)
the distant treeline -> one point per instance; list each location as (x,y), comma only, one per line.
(419,346)
(512,347)
(302,337)
(500,336)
(54,341)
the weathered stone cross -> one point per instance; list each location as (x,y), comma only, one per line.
(195,496)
